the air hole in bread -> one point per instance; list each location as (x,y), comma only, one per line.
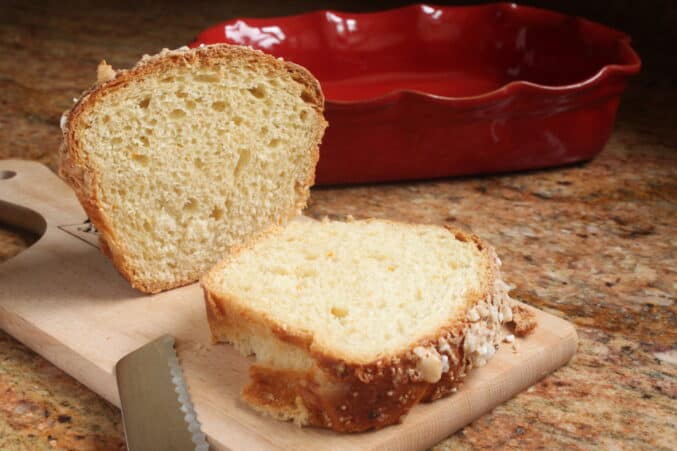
(274,142)
(207,78)
(181,94)
(380,257)
(143,104)
(305,272)
(303,115)
(116,140)
(140,159)
(237,120)
(279,270)
(144,141)
(339,312)
(217,213)
(106,119)
(191,205)
(259,91)
(307,97)
(218,106)
(190,104)
(242,161)
(147,227)
(177,113)
(198,163)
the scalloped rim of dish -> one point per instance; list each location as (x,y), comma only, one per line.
(603,73)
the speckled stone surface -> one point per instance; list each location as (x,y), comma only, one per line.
(594,243)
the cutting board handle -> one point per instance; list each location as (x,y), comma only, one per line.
(32,197)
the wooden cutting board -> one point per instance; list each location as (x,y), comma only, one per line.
(63,298)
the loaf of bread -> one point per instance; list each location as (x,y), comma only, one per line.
(190,153)
(353,323)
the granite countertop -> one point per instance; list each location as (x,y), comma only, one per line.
(594,243)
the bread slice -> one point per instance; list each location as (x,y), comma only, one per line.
(189,153)
(353,323)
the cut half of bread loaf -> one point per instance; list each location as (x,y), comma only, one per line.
(189,153)
(353,323)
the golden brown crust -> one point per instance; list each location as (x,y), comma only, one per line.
(83,177)
(349,405)
(350,396)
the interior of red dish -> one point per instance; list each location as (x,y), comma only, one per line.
(446,51)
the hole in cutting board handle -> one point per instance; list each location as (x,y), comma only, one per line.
(19,217)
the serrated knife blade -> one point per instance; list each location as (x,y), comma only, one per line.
(156,408)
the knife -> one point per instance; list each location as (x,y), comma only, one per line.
(157,412)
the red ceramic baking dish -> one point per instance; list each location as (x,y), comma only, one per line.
(428,91)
